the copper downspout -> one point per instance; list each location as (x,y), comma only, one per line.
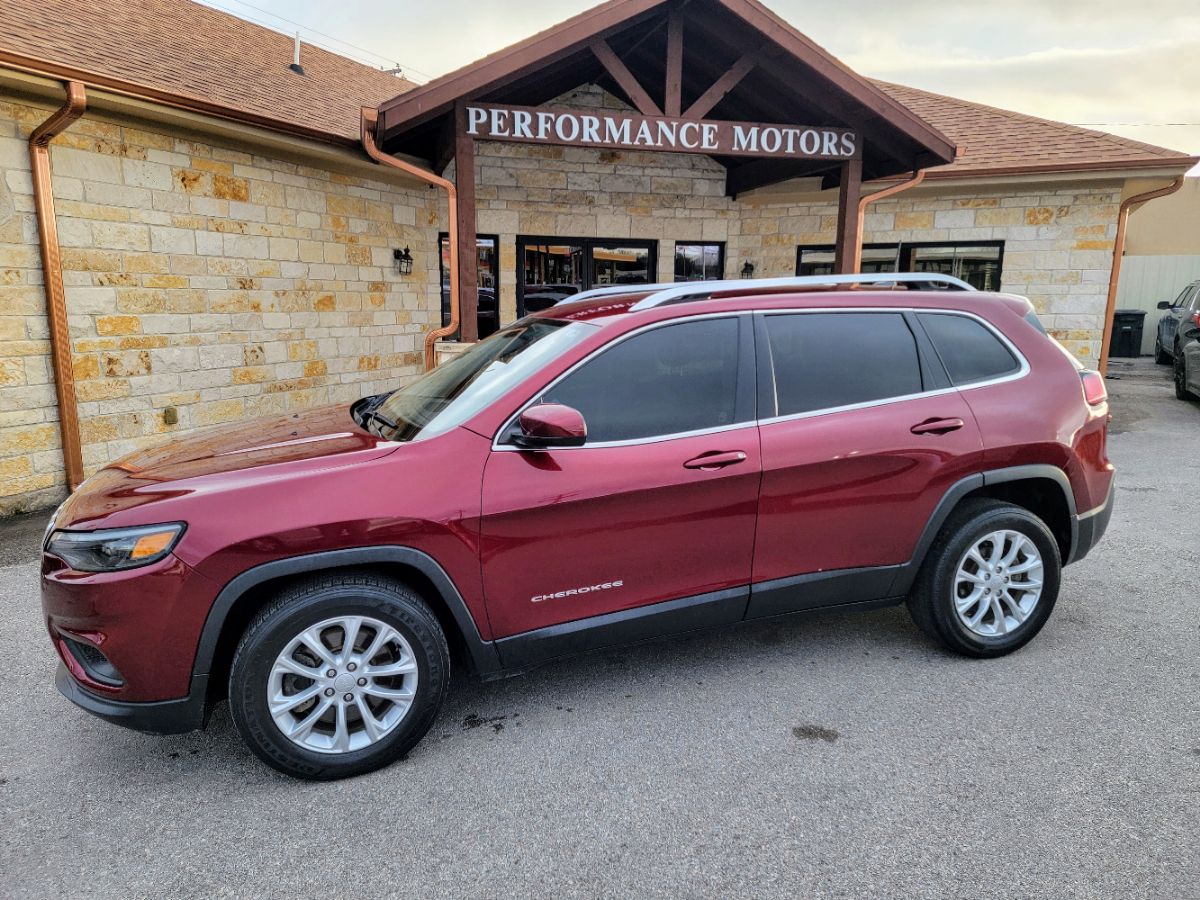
(917,177)
(370,117)
(1119,253)
(56,300)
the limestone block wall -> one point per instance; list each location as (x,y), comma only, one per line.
(1058,242)
(206,282)
(1058,239)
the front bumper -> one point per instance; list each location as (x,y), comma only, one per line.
(158,717)
(1090,527)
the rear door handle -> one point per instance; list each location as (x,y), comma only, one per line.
(937,426)
(716,460)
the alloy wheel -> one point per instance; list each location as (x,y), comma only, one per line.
(998,583)
(342,685)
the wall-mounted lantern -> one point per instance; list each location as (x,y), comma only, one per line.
(403,260)
(748,270)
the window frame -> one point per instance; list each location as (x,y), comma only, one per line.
(746,388)
(589,269)
(904,260)
(444,298)
(720,245)
(904,252)
(832,248)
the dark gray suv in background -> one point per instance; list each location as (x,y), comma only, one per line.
(1168,326)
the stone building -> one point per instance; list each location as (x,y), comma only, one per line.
(229,250)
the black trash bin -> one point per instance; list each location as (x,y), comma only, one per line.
(1127,332)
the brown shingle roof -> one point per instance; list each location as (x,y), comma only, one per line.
(183,48)
(999,141)
(179,48)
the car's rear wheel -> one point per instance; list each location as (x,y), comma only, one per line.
(339,675)
(1181,389)
(1161,356)
(990,580)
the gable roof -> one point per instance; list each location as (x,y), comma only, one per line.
(995,141)
(185,54)
(211,60)
(792,81)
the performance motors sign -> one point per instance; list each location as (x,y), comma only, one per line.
(611,130)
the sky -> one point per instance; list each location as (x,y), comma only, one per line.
(1132,68)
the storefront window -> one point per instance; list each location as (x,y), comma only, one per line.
(487,273)
(551,269)
(818,260)
(976,262)
(699,262)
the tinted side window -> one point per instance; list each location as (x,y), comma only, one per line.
(665,381)
(969,350)
(826,360)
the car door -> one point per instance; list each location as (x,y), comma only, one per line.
(1189,341)
(1169,324)
(861,437)
(659,504)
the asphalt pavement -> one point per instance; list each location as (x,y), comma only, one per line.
(822,756)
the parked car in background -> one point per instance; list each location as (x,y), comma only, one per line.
(633,463)
(1168,326)
(1187,353)
(543,296)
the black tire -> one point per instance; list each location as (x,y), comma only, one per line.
(1161,356)
(305,604)
(931,601)
(1180,377)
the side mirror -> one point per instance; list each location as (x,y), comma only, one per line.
(1164,304)
(549,425)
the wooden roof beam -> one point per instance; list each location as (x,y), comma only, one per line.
(622,76)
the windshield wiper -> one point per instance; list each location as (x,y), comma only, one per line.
(374,416)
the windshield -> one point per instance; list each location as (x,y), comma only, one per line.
(458,389)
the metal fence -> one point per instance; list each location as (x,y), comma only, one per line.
(1145,280)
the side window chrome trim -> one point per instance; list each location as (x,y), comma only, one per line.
(658,439)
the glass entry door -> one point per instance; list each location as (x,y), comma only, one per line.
(550,269)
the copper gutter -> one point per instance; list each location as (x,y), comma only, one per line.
(917,177)
(56,299)
(1119,253)
(370,118)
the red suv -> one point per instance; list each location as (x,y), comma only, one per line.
(631,463)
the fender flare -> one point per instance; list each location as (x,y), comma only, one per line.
(957,491)
(484,658)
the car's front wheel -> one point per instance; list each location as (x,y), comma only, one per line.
(1161,356)
(339,675)
(990,579)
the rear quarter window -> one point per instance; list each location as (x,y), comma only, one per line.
(970,351)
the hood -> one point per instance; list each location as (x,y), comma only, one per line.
(325,437)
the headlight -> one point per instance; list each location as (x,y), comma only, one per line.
(114,548)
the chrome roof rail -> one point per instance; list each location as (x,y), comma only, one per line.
(699,290)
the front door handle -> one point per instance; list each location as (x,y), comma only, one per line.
(937,426)
(716,459)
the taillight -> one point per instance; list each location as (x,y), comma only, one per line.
(1196,319)
(1094,391)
